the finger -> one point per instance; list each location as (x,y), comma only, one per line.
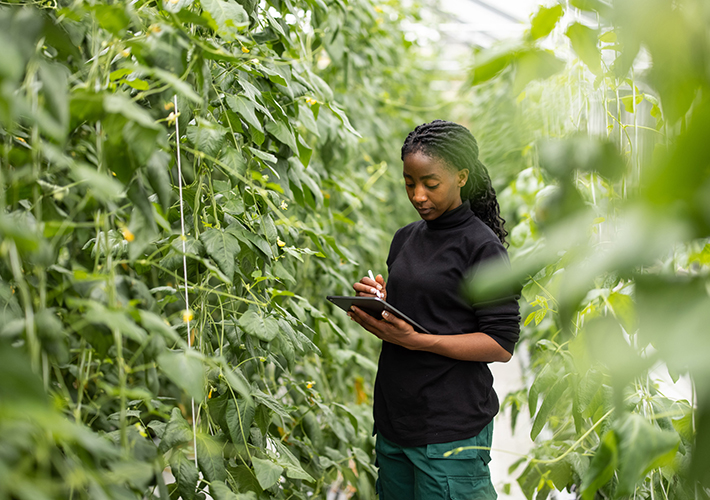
(366,321)
(380,281)
(365,318)
(398,323)
(365,290)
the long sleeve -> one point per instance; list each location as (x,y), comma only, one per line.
(499,318)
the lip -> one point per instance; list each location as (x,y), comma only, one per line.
(424,211)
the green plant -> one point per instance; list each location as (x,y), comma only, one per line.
(611,246)
(256,388)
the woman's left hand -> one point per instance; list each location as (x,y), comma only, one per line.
(390,328)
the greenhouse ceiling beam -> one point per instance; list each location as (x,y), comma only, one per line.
(466,27)
(496,11)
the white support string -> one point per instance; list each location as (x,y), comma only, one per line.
(184,265)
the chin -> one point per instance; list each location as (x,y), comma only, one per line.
(431,215)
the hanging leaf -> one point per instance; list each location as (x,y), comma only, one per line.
(223,247)
(157,170)
(262,328)
(267,472)
(602,467)
(246,109)
(551,399)
(103,187)
(490,63)
(545,21)
(186,475)
(283,133)
(584,42)
(343,119)
(642,447)
(534,64)
(177,432)
(207,137)
(234,161)
(209,459)
(185,370)
(228,18)
(175,6)
(239,420)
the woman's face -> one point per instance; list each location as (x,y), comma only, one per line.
(432,188)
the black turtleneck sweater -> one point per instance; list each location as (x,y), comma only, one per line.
(425,398)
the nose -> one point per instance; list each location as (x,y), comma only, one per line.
(419,195)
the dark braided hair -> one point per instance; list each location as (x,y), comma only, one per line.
(457,148)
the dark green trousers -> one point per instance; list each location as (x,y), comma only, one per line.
(424,473)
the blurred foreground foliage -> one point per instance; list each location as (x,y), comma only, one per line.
(610,231)
(101,384)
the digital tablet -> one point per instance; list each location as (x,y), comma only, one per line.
(374,307)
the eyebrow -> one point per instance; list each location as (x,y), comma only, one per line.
(424,177)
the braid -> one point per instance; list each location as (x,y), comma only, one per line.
(457,148)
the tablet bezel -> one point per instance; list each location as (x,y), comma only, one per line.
(374,307)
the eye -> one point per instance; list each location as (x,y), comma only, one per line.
(434,186)
(409,185)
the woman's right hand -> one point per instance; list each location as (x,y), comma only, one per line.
(366,287)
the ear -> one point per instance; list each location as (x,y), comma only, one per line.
(462,177)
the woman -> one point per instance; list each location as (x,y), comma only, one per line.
(433,392)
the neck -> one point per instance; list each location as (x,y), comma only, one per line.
(452,218)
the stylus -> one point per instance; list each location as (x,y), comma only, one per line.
(372,277)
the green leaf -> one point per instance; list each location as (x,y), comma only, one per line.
(54,89)
(223,247)
(246,109)
(343,119)
(287,460)
(122,105)
(239,419)
(180,86)
(157,170)
(263,155)
(604,9)
(185,370)
(112,18)
(305,116)
(548,404)
(489,63)
(102,187)
(545,21)
(186,475)
(624,310)
(175,6)
(304,151)
(608,37)
(630,103)
(206,136)
(229,17)
(602,467)
(642,447)
(155,324)
(177,432)
(234,162)
(532,65)
(209,459)
(253,240)
(221,491)
(267,472)
(98,314)
(262,328)
(584,42)
(283,133)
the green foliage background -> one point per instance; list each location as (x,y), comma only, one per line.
(101,390)
(290,116)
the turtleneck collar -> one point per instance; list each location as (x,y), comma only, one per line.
(452,218)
